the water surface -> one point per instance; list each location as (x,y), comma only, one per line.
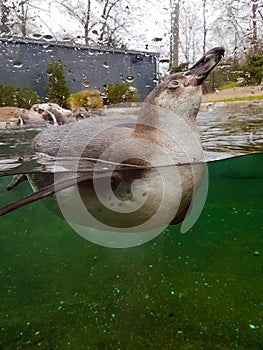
(199,290)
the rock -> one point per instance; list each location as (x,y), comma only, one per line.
(19,116)
(86,98)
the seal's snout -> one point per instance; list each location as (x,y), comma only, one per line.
(216,53)
(201,69)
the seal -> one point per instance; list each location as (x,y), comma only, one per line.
(142,174)
(53,113)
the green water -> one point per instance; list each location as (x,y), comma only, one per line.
(199,290)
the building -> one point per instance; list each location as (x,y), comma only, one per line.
(23,62)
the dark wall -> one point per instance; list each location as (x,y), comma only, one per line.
(24,63)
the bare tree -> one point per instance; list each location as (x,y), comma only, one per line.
(98,18)
(17,16)
(20,8)
(108,29)
(190,31)
(80,11)
(241,22)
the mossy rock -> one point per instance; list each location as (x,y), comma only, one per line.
(86,98)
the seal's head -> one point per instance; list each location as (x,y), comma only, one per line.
(182,91)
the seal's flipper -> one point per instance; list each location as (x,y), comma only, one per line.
(43,193)
(17,179)
(179,218)
(56,187)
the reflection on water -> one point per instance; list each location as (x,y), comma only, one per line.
(200,290)
(224,133)
(232,130)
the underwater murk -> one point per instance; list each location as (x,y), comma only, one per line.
(198,290)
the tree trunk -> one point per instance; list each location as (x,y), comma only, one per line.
(254,25)
(87,24)
(24,19)
(174,44)
(204,26)
(5,10)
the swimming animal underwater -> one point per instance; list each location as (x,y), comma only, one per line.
(114,174)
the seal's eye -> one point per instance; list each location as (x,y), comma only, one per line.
(173,84)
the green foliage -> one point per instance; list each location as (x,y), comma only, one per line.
(57,90)
(252,72)
(229,85)
(220,76)
(14,96)
(246,98)
(183,67)
(121,92)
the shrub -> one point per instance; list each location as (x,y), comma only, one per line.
(14,96)
(86,98)
(57,90)
(183,67)
(252,72)
(121,92)
(220,76)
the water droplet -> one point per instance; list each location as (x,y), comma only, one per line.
(106,65)
(257,253)
(157,39)
(66,39)
(37,36)
(47,37)
(130,79)
(86,83)
(18,64)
